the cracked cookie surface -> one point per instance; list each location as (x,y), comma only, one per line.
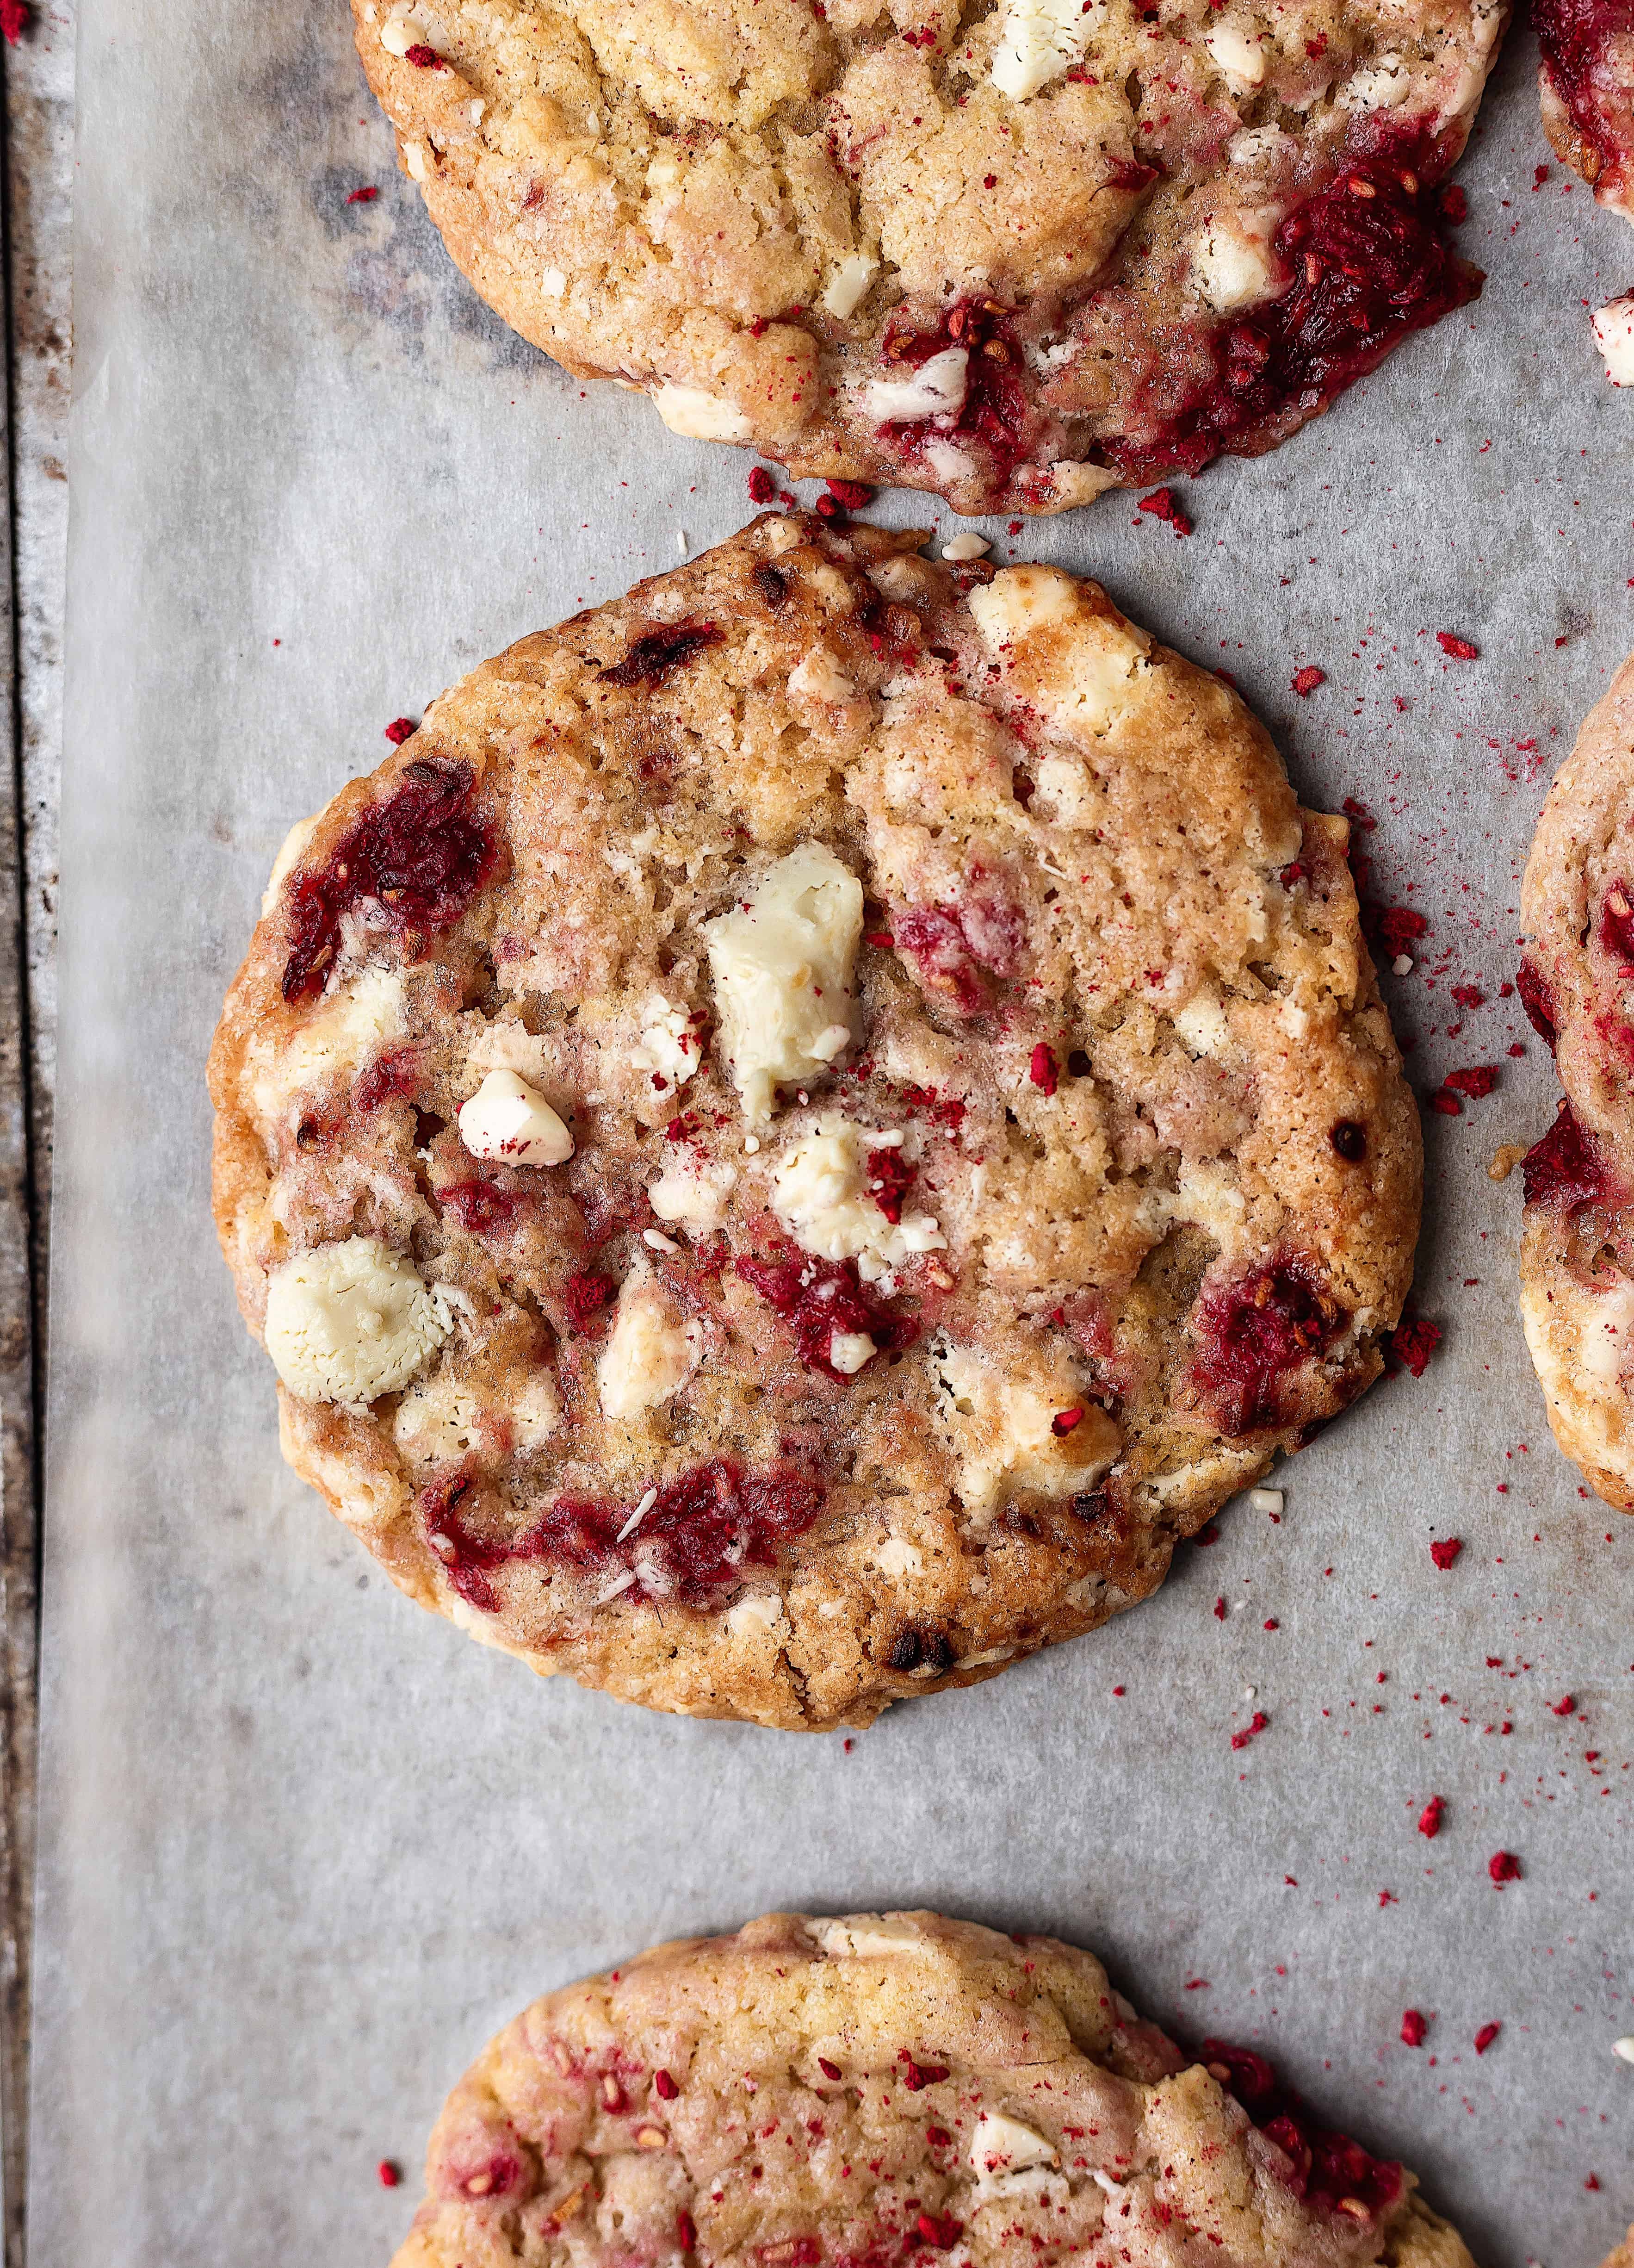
(1015,253)
(808,1126)
(889,2091)
(1577,983)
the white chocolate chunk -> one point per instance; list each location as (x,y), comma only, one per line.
(849,1351)
(848,286)
(668,1049)
(1001,2144)
(868,1934)
(756,1616)
(348,1322)
(1242,58)
(966,545)
(936,389)
(1201,1023)
(1613,325)
(782,965)
(1037,39)
(1086,669)
(354,1023)
(818,677)
(699,416)
(898,1557)
(1381,87)
(1002,1429)
(553,283)
(650,1350)
(1232,264)
(692,1192)
(509,1119)
(820,1195)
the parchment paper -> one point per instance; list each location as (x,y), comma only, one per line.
(303,1847)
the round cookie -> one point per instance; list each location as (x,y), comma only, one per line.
(888,2091)
(1585,83)
(807,1126)
(1016,256)
(1577,983)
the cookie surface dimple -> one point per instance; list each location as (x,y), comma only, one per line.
(1014,256)
(889,2091)
(1577,985)
(808,1126)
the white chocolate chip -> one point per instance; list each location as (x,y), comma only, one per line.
(966,545)
(782,965)
(509,1119)
(1037,39)
(1613,327)
(849,1351)
(649,1351)
(1266,1499)
(848,286)
(698,416)
(348,1322)
(936,389)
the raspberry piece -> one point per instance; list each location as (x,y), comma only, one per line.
(1413,2029)
(664,2087)
(401,728)
(421,856)
(1459,648)
(585,1295)
(763,488)
(1485,2036)
(1305,681)
(656,654)
(1564,1170)
(1258,1723)
(364,197)
(423,58)
(1504,1866)
(1566,1706)
(1445,1551)
(1430,1817)
(851,495)
(1538,1001)
(1161,504)
(890,1177)
(819,1298)
(1253,1331)
(388,2173)
(1475,1080)
(1042,1069)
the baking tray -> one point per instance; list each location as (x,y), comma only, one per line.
(303,1847)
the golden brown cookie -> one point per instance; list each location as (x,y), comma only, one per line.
(889,2091)
(807,1126)
(1016,256)
(1577,983)
(1585,81)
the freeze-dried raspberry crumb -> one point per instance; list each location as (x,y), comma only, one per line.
(1305,681)
(1474,1079)
(918,2076)
(423,58)
(1459,648)
(1485,2036)
(1161,504)
(1257,1723)
(1430,1817)
(829,2070)
(1413,2029)
(1220,1611)
(1469,996)
(15,18)
(1454,204)
(1412,1344)
(1065,1422)
(1359,814)
(942,2231)
(664,2087)
(388,2173)
(1446,1103)
(853,494)
(1446,1551)
(1563,1168)
(362,196)
(1566,1706)
(1504,1866)
(1043,1070)
(585,1295)
(399,730)
(763,488)
(890,1176)
(1400,926)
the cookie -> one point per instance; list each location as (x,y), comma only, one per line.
(807,1126)
(1585,83)
(1624,2255)
(1014,256)
(1577,985)
(889,2091)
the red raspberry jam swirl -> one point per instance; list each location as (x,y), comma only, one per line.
(1565,1169)
(1368,265)
(817,1298)
(417,859)
(1253,1332)
(996,408)
(1324,2167)
(703,1529)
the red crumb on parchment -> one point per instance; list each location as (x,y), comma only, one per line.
(388,2173)
(365,196)
(1305,681)
(1459,648)
(15,18)
(400,729)
(1504,1866)
(1161,504)
(1485,2036)
(1430,1817)
(1413,2029)
(1410,1345)
(1446,1551)
(1474,1079)
(1258,1723)
(763,488)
